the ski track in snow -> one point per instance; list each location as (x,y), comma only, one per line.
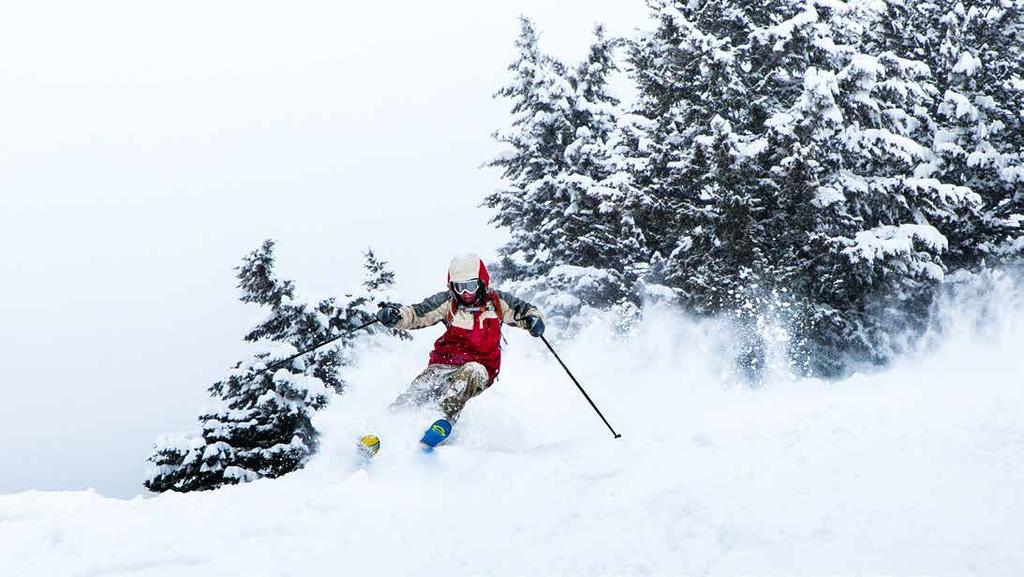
(916,470)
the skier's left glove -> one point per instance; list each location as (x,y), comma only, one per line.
(535,326)
(388,314)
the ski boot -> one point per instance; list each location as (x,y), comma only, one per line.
(436,434)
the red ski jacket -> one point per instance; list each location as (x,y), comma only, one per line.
(473,332)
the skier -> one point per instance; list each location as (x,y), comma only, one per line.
(466,359)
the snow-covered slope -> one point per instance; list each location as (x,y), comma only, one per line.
(915,470)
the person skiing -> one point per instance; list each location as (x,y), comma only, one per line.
(467,358)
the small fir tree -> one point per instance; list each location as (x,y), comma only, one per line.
(261,426)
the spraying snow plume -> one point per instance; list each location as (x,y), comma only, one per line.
(914,469)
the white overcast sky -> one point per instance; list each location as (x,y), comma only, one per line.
(145,147)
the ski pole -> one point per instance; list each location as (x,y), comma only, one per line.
(280,364)
(580,387)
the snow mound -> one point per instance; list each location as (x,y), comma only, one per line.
(914,470)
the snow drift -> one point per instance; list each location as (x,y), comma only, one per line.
(917,469)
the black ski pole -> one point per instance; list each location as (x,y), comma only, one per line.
(580,387)
(280,364)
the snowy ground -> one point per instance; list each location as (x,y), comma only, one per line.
(918,470)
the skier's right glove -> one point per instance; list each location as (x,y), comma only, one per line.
(536,326)
(388,314)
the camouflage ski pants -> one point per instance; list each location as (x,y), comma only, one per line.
(450,387)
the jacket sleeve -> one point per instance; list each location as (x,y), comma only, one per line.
(424,314)
(515,310)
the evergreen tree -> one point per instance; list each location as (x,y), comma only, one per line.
(822,163)
(261,426)
(379,276)
(597,250)
(707,223)
(588,229)
(975,52)
(787,166)
(540,131)
(574,241)
(847,133)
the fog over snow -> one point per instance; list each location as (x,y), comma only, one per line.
(144,148)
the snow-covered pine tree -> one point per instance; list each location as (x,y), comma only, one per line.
(379,276)
(709,206)
(593,228)
(261,426)
(379,280)
(571,223)
(597,250)
(697,188)
(784,160)
(541,129)
(979,70)
(975,51)
(874,250)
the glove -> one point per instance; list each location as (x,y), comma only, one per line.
(388,314)
(536,326)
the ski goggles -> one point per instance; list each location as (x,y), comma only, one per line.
(465,286)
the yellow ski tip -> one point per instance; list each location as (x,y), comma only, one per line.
(369,445)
